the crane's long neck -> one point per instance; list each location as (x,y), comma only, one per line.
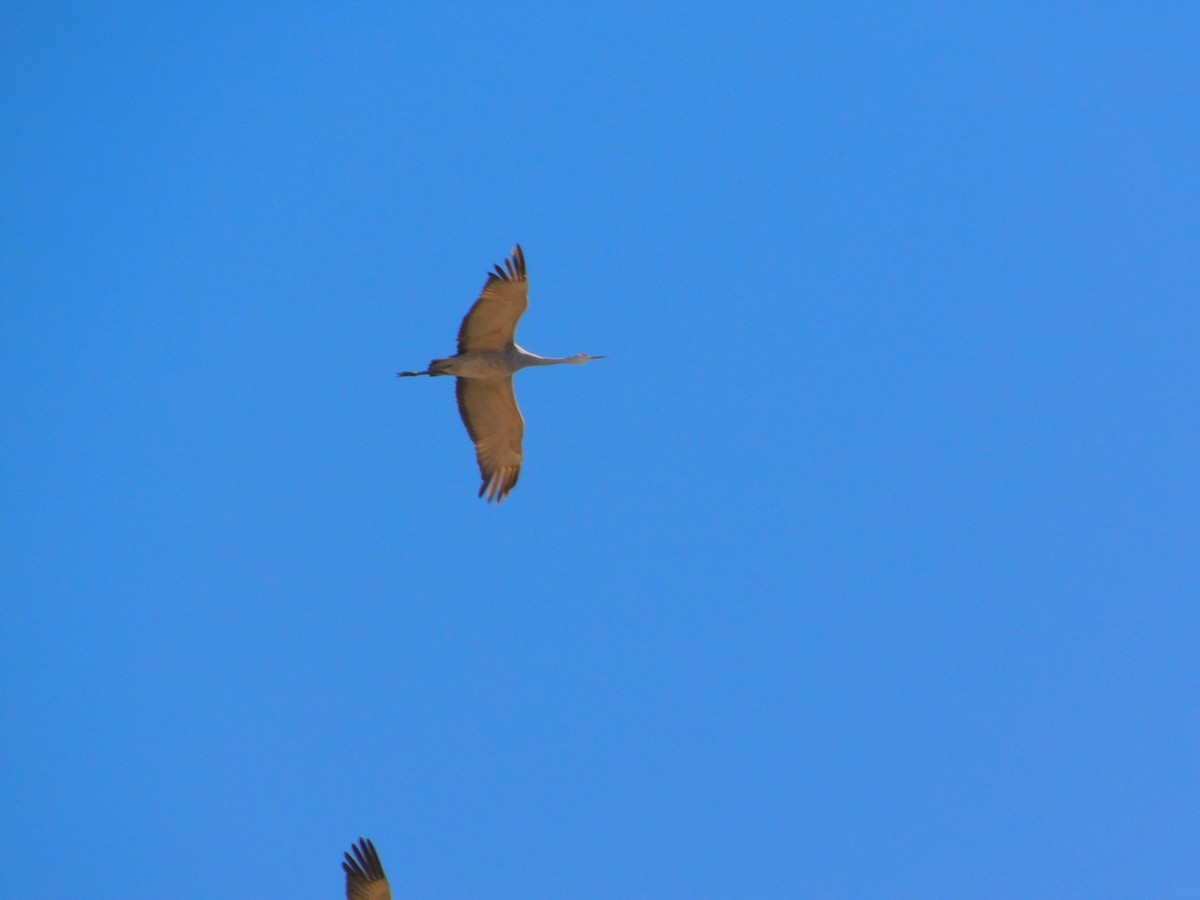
(532,359)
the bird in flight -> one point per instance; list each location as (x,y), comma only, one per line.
(487,359)
(364,873)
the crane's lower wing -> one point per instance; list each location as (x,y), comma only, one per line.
(364,873)
(488,408)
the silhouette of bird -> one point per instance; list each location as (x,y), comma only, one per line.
(488,357)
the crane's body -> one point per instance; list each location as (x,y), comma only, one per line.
(497,363)
(488,357)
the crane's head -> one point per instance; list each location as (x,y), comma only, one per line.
(580,358)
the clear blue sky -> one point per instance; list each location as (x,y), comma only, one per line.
(865,565)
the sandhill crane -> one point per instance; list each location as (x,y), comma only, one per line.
(364,873)
(487,359)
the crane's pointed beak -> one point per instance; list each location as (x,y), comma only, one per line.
(599,357)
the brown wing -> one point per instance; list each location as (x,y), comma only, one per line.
(488,408)
(492,322)
(364,873)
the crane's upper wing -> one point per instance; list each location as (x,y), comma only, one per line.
(364,873)
(492,322)
(489,410)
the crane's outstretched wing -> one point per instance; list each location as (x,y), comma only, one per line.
(492,322)
(364,873)
(488,408)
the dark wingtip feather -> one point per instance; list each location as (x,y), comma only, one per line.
(513,268)
(499,484)
(364,866)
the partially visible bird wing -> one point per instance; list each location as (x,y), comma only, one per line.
(492,322)
(488,408)
(364,873)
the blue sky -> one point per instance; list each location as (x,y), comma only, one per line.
(865,565)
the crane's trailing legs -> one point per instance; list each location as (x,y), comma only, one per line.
(488,357)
